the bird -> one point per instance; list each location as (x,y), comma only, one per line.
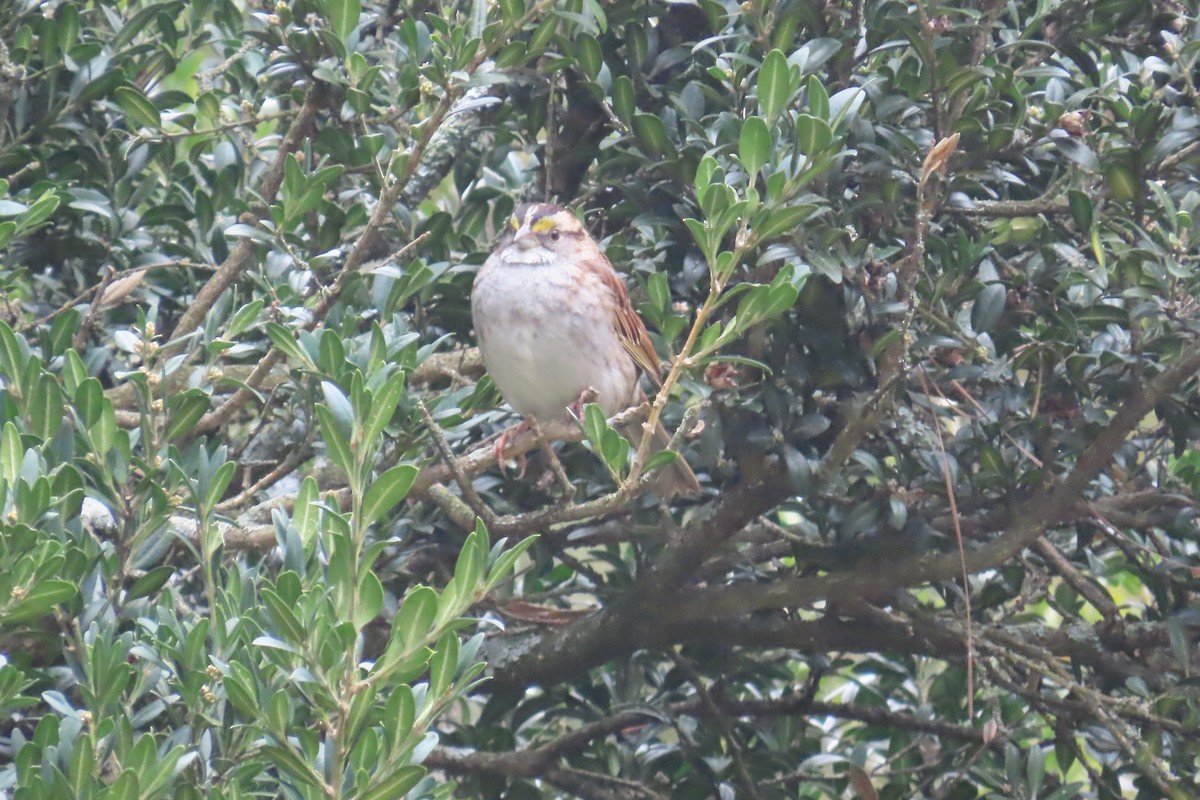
(553,320)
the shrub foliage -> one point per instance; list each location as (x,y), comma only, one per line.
(924,278)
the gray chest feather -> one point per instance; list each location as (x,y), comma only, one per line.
(543,345)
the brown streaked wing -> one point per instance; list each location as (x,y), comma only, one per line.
(629,325)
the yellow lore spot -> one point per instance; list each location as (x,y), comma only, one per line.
(543,225)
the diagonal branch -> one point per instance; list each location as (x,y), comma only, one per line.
(1030,521)
(243,251)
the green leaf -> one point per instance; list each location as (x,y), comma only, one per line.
(1035,771)
(396,785)
(703,237)
(67,19)
(444,665)
(40,600)
(339,405)
(754,145)
(775,88)
(1081,209)
(623,99)
(185,411)
(83,763)
(706,171)
(160,771)
(241,229)
(102,86)
(845,104)
(343,16)
(306,513)
(812,134)
(125,787)
(653,135)
(400,715)
(660,459)
(511,11)
(286,760)
(39,212)
(784,220)
(818,99)
(239,688)
(594,424)
(138,107)
(614,449)
(370,600)
(386,491)
(14,354)
(472,561)
(283,618)
(588,55)
(506,561)
(282,338)
(331,354)
(400,667)
(450,604)
(989,305)
(104,433)
(149,583)
(244,318)
(361,706)
(383,408)
(217,485)
(45,406)
(416,614)
(337,444)
(1077,151)
(12,453)
(74,371)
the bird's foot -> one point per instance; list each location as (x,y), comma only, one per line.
(588,395)
(502,444)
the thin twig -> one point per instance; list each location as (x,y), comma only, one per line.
(1099,600)
(1175,159)
(471,497)
(556,467)
(735,746)
(958,387)
(221,415)
(551,143)
(225,127)
(91,290)
(962,555)
(292,460)
(89,319)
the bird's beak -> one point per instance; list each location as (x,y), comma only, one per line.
(524,238)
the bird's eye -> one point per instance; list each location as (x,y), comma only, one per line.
(554,235)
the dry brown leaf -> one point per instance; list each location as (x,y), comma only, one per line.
(862,783)
(939,154)
(119,289)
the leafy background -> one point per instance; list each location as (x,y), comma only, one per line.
(926,279)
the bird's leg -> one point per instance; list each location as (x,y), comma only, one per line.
(502,443)
(557,470)
(588,395)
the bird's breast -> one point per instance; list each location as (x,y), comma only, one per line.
(545,339)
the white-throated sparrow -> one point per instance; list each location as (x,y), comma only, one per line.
(554,319)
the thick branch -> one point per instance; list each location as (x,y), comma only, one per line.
(540,761)
(593,639)
(1030,521)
